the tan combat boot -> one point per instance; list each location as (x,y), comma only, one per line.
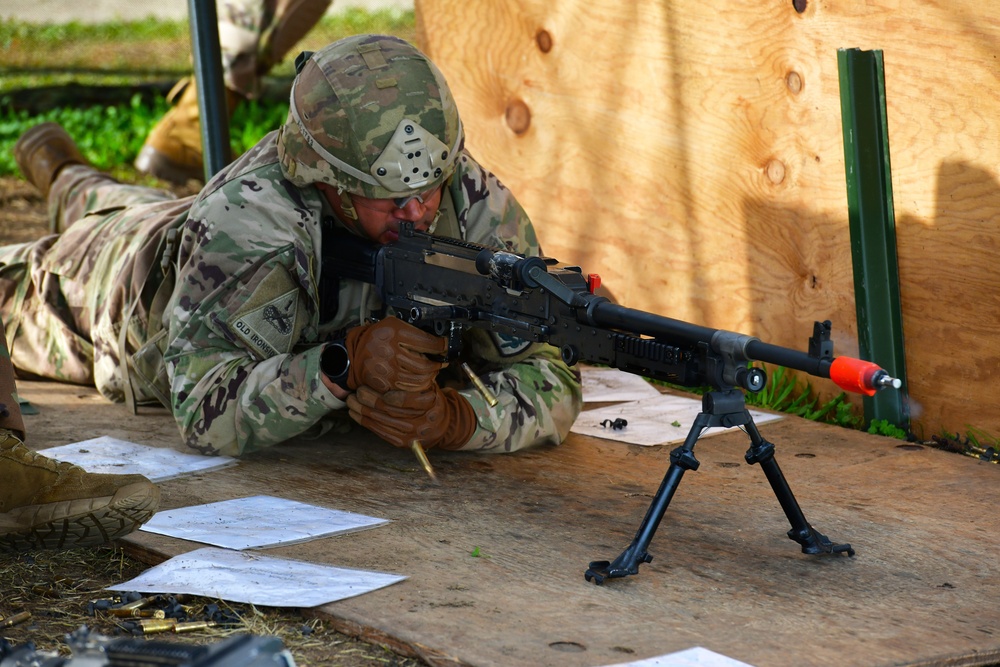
(49,504)
(172,151)
(42,151)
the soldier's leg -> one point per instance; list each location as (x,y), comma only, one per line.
(51,161)
(254,36)
(41,337)
(48,329)
(47,504)
(80,190)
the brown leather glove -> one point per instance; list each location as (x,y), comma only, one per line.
(436,417)
(392,354)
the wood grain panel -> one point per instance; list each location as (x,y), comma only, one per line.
(692,154)
(920,591)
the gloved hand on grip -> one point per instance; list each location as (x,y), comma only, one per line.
(436,417)
(387,355)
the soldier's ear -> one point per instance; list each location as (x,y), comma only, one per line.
(302,59)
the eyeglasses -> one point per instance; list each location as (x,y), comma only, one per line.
(401,202)
(389,205)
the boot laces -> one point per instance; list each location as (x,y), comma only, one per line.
(32,457)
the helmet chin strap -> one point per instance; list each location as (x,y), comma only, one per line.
(434,222)
(346,205)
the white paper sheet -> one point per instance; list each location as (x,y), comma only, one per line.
(111,455)
(663,420)
(256,521)
(604,385)
(252,578)
(692,657)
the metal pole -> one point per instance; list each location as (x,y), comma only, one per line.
(211,86)
(873,227)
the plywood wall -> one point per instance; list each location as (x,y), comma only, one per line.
(691,152)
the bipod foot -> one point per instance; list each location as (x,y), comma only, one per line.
(623,566)
(816,543)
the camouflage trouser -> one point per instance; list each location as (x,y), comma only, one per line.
(64,297)
(255,35)
(10,410)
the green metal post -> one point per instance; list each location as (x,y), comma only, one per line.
(211,86)
(873,231)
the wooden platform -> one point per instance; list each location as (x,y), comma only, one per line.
(922,590)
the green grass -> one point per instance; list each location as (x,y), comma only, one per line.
(50,34)
(783,393)
(351,21)
(886,428)
(111,136)
(108,136)
(110,53)
(43,59)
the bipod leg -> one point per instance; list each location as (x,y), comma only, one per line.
(813,542)
(717,410)
(681,460)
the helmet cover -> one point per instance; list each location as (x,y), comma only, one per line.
(371,115)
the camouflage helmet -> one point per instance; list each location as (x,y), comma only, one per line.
(371,115)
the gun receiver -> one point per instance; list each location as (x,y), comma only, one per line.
(445,285)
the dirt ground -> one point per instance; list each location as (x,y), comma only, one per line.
(57,587)
(22,212)
(64,591)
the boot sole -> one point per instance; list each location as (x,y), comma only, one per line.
(86,522)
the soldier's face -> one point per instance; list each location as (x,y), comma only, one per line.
(378,219)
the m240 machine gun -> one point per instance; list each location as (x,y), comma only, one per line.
(444,285)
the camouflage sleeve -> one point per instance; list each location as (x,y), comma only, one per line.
(538,399)
(240,306)
(539,396)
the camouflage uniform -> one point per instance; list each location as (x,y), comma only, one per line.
(255,35)
(63,297)
(10,408)
(221,296)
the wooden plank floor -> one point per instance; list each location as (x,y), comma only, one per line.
(922,590)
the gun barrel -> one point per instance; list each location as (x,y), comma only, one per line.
(650,324)
(855,375)
(605,313)
(783,356)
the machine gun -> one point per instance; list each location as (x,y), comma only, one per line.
(90,649)
(444,285)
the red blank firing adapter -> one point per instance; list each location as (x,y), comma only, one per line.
(861,377)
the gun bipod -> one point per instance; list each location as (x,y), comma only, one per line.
(726,409)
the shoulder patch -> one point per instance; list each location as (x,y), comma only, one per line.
(495,348)
(269,320)
(509,346)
